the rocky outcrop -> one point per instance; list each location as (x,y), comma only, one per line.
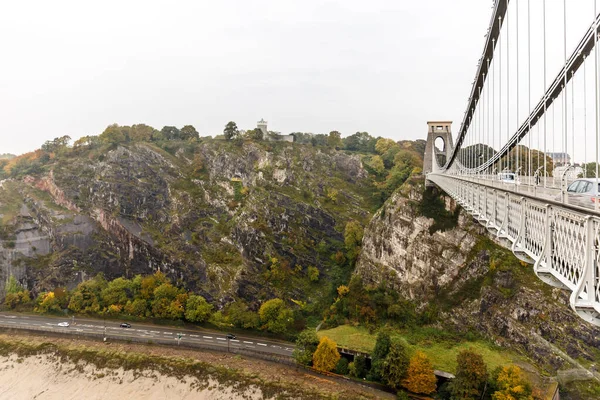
(399,250)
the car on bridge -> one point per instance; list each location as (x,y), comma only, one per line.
(63,324)
(583,192)
(125,325)
(509,178)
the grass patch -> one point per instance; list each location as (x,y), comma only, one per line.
(441,347)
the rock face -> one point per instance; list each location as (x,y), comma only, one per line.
(399,249)
(211,215)
(478,285)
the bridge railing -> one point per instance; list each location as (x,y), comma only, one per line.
(562,242)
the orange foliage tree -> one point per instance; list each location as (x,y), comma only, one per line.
(420,377)
(326,356)
(512,385)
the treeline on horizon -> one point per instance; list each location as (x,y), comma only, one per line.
(389,162)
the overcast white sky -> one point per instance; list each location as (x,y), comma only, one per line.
(382,66)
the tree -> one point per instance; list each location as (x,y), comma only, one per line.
(360,141)
(170,133)
(188,132)
(377,165)
(141,133)
(151,282)
(241,316)
(342,367)
(589,170)
(382,348)
(137,308)
(306,345)
(313,273)
(231,131)
(334,139)
(383,145)
(395,365)
(47,302)
(56,145)
(12,285)
(319,140)
(326,356)
(275,316)
(419,376)
(114,134)
(471,376)
(117,292)
(353,235)
(358,368)
(197,309)
(12,300)
(512,385)
(254,134)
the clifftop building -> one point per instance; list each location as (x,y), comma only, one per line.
(272,136)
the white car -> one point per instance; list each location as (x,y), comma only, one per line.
(65,324)
(509,178)
(583,192)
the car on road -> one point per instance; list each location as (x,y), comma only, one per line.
(64,324)
(125,325)
(230,336)
(582,192)
(509,178)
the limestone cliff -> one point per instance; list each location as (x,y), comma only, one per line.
(212,215)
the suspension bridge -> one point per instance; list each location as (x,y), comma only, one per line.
(526,157)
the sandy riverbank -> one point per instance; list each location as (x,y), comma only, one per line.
(44,377)
(47,368)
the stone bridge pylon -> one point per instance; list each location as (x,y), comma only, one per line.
(437,130)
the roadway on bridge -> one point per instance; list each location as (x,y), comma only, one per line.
(551,191)
(144,331)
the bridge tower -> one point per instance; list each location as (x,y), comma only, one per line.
(435,130)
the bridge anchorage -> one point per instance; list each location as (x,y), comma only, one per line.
(527,171)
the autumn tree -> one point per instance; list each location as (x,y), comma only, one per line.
(512,385)
(383,145)
(419,376)
(47,302)
(13,285)
(377,165)
(15,293)
(306,345)
(168,302)
(87,296)
(395,365)
(326,356)
(197,309)
(275,316)
(471,376)
(114,134)
(353,235)
(141,133)
(334,139)
(313,273)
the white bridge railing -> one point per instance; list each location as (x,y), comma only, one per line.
(562,243)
